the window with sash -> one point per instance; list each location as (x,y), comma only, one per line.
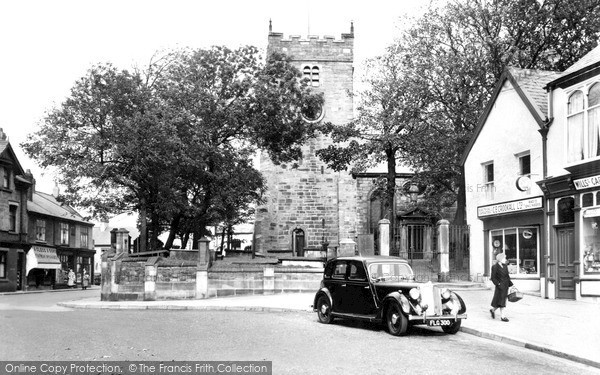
(583,123)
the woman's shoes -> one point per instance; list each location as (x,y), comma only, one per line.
(493,314)
(504,319)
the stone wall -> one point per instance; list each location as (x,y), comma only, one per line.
(232,280)
(158,278)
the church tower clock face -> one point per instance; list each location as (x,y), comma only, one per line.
(307,197)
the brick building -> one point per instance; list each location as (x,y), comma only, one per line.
(40,238)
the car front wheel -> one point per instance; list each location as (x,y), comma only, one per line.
(324,310)
(452,328)
(397,323)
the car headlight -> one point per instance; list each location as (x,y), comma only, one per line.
(453,305)
(414,293)
(446,294)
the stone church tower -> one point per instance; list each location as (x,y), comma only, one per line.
(310,204)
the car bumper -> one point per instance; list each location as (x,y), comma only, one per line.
(425,319)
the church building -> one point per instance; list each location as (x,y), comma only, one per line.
(308,205)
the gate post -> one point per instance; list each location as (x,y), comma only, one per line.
(384,236)
(443,227)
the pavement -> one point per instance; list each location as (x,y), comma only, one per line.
(562,328)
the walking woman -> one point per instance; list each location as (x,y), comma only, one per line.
(501,279)
(71,279)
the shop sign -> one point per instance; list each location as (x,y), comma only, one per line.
(42,257)
(591,212)
(510,207)
(588,182)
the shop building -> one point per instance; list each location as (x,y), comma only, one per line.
(40,238)
(60,240)
(532,172)
(504,159)
(571,184)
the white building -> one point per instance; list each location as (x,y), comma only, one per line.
(532,172)
(502,163)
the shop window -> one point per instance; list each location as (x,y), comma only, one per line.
(520,246)
(591,244)
(3,264)
(64,233)
(12,217)
(587,200)
(564,210)
(40,230)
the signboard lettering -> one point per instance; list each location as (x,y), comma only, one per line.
(509,207)
(588,182)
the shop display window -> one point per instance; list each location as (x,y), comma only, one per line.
(591,244)
(520,246)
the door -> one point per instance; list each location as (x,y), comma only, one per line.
(358,298)
(20,263)
(298,242)
(565,288)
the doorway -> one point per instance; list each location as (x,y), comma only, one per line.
(298,242)
(565,288)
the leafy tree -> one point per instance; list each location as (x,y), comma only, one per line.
(160,141)
(449,60)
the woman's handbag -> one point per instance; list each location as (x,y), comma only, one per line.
(514,295)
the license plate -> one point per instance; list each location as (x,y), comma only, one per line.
(439,322)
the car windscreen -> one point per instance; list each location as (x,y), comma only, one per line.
(390,272)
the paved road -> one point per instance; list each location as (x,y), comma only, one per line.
(34,328)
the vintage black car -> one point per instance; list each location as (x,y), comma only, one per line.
(382,289)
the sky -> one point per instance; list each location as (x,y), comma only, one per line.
(47,45)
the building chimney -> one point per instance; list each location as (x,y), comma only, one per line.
(3,136)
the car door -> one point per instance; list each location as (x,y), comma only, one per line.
(337,285)
(358,298)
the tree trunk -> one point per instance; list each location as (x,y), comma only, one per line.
(173,230)
(461,199)
(143,226)
(390,193)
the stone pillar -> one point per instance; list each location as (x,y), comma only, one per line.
(443,227)
(204,261)
(150,272)
(384,237)
(269,280)
(122,240)
(105,280)
(204,256)
(347,248)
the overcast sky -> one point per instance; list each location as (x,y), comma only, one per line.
(48,44)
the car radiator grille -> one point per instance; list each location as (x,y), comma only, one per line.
(430,296)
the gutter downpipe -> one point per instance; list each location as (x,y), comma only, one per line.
(544,132)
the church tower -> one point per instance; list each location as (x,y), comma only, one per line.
(309,204)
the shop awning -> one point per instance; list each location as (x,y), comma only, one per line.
(42,257)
